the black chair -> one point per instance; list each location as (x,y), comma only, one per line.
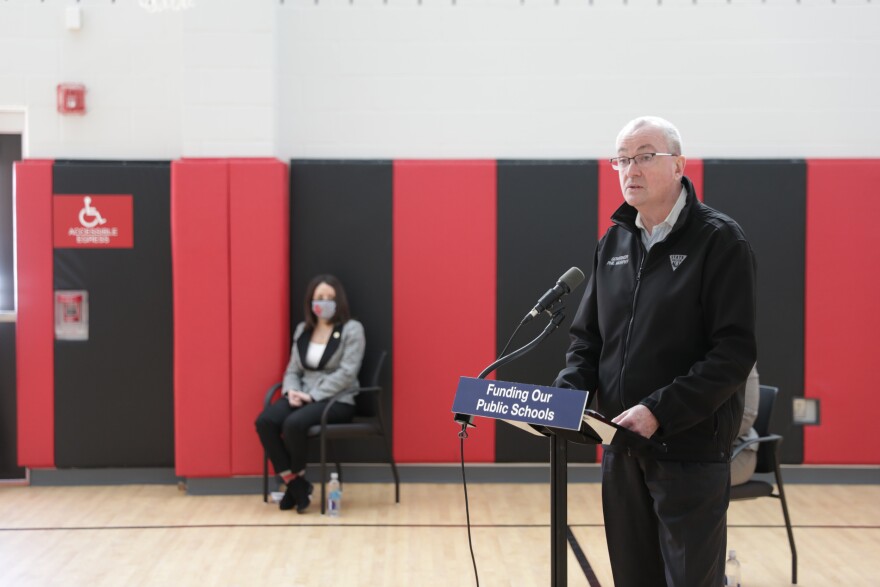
(368,422)
(767,462)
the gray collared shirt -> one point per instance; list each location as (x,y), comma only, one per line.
(662,230)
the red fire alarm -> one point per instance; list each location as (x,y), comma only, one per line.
(71,98)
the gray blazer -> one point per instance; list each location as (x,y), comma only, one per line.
(338,369)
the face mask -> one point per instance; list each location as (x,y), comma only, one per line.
(325,309)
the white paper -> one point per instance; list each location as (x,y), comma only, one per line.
(605,431)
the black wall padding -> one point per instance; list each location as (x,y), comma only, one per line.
(114,393)
(546,224)
(340,223)
(768,199)
(10,152)
(9,468)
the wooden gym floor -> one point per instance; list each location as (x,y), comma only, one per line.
(158,535)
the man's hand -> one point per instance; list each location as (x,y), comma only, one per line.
(638,419)
(297,399)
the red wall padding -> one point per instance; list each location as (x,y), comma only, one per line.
(231,305)
(610,196)
(259,285)
(231,262)
(35,351)
(444,303)
(200,262)
(842,321)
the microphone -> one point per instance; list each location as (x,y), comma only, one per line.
(568,282)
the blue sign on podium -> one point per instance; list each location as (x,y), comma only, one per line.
(533,404)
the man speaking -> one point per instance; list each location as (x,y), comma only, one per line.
(665,336)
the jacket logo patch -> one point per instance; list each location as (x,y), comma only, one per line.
(621,260)
(676,260)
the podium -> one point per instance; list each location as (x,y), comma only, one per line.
(534,407)
(576,423)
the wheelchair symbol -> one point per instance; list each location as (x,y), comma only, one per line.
(89,212)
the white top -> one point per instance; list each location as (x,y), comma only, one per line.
(314,354)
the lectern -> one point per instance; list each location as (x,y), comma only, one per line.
(560,414)
(591,428)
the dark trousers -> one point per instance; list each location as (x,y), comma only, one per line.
(665,521)
(284,430)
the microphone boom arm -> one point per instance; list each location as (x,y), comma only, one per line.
(555,321)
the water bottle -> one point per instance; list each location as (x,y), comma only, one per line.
(731,570)
(334,496)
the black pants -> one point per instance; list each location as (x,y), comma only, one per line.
(284,430)
(665,521)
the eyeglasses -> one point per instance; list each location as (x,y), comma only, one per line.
(641,159)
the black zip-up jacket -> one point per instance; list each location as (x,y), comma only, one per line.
(672,328)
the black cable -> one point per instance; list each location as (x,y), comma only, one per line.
(465,420)
(509,340)
(462,435)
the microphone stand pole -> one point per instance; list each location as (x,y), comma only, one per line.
(558,511)
(558,465)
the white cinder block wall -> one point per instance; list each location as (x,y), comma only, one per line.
(443,78)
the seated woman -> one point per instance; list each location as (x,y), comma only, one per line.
(743,466)
(325,359)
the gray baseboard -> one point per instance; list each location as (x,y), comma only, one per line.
(513,473)
(828,474)
(411,473)
(107,476)
(381,473)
